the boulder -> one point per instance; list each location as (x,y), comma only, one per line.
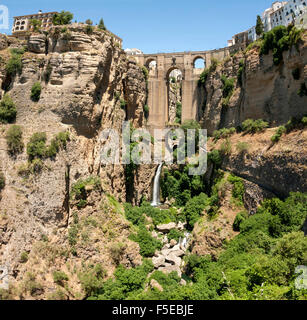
(183,282)
(170,268)
(173,260)
(37,43)
(173,243)
(158,261)
(166,227)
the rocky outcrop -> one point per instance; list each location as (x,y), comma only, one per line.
(267,92)
(82,75)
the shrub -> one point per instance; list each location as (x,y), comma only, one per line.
(59,277)
(92,279)
(8,110)
(36,91)
(148,244)
(223,133)
(36,148)
(36,24)
(145,72)
(241,72)
(14,140)
(242,147)
(117,250)
(57,143)
(175,234)
(228,88)
(178,112)
(101,25)
(89,22)
(89,29)
(146,111)
(279,132)
(241,216)
(296,73)
(79,192)
(24,257)
(14,65)
(48,71)
(238,187)
(253,126)
(2,181)
(62,18)
(278,40)
(123,104)
(195,207)
(215,157)
(226,147)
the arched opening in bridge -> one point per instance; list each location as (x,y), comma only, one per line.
(199,63)
(174,82)
(151,66)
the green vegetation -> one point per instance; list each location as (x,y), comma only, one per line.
(14,65)
(36,24)
(146,111)
(242,147)
(254,126)
(62,18)
(145,72)
(2,181)
(228,88)
(223,133)
(89,22)
(240,218)
(79,190)
(123,104)
(259,26)
(178,112)
(148,244)
(47,73)
(36,91)
(59,277)
(238,189)
(8,110)
(293,124)
(175,234)
(24,257)
(89,29)
(204,75)
(226,147)
(280,39)
(241,72)
(14,141)
(101,25)
(37,149)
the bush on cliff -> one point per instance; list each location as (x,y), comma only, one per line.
(280,39)
(14,65)
(36,91)
(62,18)
(2,181)
(8,110)
(14,141)
(254,126)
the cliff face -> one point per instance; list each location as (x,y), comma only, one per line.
(267,92)
(84,78)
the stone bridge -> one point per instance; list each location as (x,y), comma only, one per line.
(158,82)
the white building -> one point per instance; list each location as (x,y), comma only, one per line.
(133,52)
(281,13)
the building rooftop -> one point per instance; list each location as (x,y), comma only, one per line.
(35,14)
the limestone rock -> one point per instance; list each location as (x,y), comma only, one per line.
(166,227)
(158,261)
(37,43)
(173,243)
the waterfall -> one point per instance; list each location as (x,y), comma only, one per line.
(156,189)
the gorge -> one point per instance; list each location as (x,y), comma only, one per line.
(72,228)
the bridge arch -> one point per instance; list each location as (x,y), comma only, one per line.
(199,61)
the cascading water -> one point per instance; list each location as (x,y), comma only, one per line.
(156,188)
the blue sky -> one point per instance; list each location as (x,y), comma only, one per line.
(157,25)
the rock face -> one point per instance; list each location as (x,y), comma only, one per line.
(166,227)
(267,92)
(83,78)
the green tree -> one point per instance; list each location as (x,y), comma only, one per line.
(36,24)
(7,110)
(36,91)
(259,26)
(101,25)
(62,18)
(89,22)
(14,140)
